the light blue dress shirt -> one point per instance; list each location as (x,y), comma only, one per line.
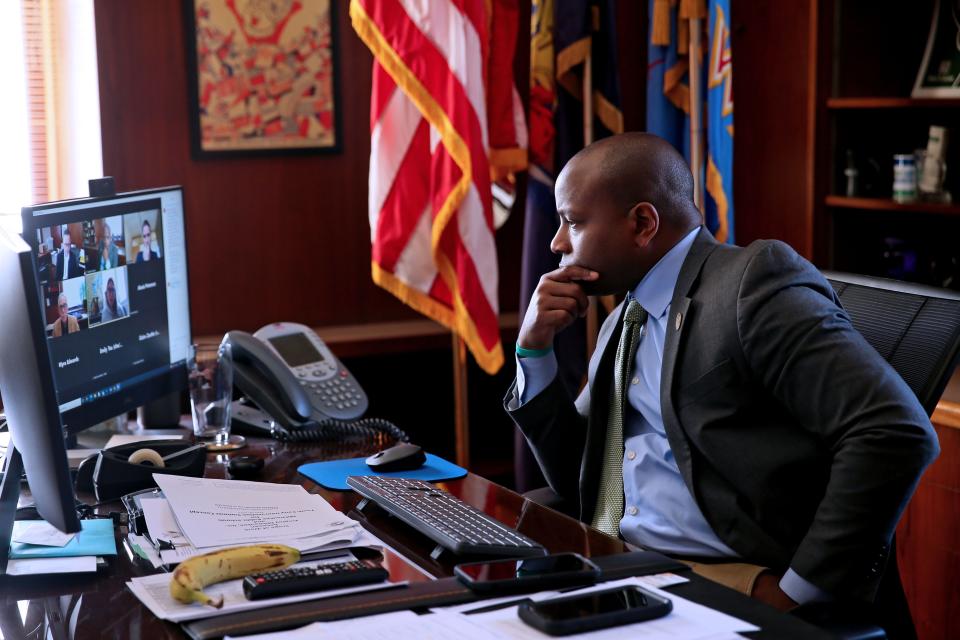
(659,511)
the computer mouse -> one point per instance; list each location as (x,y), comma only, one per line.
(401,457)
(245,466)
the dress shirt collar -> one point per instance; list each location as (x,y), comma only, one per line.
(656,289)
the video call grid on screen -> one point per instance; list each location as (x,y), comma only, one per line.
(113,286)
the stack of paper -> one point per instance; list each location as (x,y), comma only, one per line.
(39,548)
(199,515)
(175,547)
(217,512)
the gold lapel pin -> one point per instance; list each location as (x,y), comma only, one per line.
(678,321)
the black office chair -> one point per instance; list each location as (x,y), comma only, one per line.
(916,329)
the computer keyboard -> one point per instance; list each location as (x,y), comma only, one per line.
(444,518)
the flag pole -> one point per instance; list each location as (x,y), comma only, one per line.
(587,101)
(460,408)
(593,316)
(593,311)
(696,124)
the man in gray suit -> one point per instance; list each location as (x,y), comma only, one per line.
(757,426)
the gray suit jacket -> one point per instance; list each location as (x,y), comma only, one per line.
(799,443)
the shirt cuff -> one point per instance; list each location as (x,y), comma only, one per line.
(534,375)
(801,590)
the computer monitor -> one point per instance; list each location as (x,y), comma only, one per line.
(29,399)
(115,308)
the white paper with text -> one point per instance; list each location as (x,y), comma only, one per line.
(214,513)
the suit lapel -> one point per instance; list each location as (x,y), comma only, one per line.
(681,314)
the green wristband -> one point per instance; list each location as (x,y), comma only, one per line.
(532,353)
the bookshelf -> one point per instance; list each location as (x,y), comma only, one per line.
(887,204)
(891,102)
(866,59)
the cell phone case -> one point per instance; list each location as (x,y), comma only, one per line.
(533,582)
(531,615)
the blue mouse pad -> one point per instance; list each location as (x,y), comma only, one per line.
(333,473)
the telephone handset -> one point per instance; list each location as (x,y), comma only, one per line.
(287,370)
(305,393)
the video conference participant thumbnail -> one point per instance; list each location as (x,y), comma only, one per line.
(110,250)
(65,323)
(107,295)
(66,308)
(113,307)
(143,235)
(68,257)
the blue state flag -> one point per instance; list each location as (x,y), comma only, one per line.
(668,101)
(719,170)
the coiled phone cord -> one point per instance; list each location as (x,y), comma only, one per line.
(331,429)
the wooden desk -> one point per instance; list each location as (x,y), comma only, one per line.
(105,608)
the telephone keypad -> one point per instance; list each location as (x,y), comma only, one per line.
(338,392)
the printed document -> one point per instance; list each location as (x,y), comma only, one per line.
(43,566)
(174,547)
(214,513)
(688,620)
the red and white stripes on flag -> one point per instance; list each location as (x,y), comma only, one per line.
(429,186)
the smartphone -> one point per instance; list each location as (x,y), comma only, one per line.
(595,610)
(504,576)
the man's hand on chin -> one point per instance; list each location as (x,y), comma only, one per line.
(767,589)
(558,300)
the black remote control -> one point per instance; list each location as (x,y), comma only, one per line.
(302,579)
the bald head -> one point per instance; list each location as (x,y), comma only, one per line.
(641,167)
(622,204)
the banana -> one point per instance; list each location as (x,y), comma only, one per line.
(192,575)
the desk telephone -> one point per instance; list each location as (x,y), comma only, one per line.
(302,389)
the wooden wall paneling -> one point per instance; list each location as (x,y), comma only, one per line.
(928,544)
(771,49)
(632,36)
(880,45)
(820,135)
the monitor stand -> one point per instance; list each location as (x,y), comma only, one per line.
(9,496)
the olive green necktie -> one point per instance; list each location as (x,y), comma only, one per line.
(610,499)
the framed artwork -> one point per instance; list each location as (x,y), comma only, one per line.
(262,77)
(939,75)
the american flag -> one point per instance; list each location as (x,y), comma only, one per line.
(430,202)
